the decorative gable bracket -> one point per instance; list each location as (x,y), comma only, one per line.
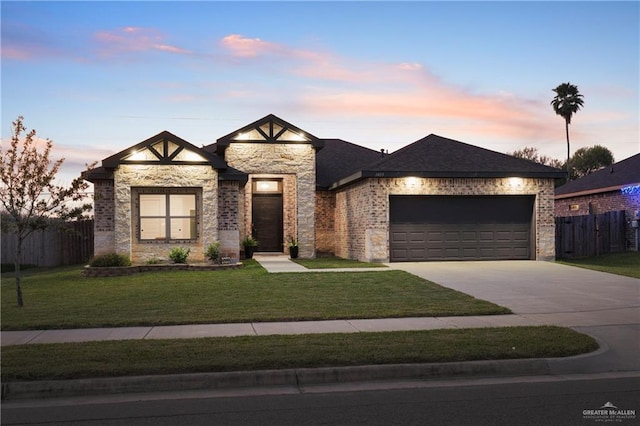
(162,149)
(269,129)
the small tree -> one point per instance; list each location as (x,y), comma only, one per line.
(28,194)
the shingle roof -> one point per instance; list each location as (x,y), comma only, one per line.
(436,156)
(339,159)
(609,178)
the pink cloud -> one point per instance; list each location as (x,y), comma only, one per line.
(15,53)
(396,91)
(135,39)
(300,62)
(244,47)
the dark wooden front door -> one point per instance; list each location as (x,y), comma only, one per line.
(267,221)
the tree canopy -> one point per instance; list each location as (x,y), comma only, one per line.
(583,162)
(29,196)
(587,160)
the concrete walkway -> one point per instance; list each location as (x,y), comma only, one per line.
(192,331)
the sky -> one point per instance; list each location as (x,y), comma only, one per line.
(99,77)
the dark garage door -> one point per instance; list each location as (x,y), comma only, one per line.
(460,228)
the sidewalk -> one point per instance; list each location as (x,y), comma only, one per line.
(192,331)
(616,352)
(273,263)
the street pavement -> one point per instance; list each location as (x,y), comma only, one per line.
(605,306)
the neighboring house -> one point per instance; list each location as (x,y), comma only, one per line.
(435,199)
(612,188)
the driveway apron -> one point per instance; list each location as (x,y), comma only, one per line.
(603,305)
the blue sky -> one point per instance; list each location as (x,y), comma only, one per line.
(98,77)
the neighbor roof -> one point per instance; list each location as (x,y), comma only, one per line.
(436,156)
(610,178)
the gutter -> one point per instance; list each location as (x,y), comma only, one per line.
(593,191)
(365,174)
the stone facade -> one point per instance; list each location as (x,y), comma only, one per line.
(129,177)
(362,210)
(295,164)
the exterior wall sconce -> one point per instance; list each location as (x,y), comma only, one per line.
(515,182)
(411,182)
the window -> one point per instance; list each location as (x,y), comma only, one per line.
(167,215)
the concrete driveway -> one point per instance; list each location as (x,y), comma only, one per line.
(603,305)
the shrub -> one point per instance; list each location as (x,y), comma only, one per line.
(179,254)
(249,241)
(110,259)
(213,251)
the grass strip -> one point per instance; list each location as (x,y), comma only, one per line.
(627,263)
(335,262)
(143,357)
(64,298)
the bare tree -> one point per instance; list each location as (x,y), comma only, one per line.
(28,193)
(531,153)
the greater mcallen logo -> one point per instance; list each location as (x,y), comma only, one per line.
(609,413)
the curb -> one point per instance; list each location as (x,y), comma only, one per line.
(299,378)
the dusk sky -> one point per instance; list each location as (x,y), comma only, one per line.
(98,77)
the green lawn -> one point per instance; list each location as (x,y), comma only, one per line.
(335,262)
(141,357)
(627,263)
(64,298)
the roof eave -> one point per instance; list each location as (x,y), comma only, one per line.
(593,191)
(441,174)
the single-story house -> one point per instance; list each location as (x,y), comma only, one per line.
(435,199)
(612,188)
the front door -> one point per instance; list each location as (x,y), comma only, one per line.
(267,215)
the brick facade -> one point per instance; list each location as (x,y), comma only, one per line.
(325,222)
(600,203)
(362,210)
(104,217)
(230,207)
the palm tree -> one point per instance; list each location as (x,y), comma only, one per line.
(566,103)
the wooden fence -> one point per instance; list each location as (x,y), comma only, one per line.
(591,235)
(52,247)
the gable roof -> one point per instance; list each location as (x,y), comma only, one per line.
(436,156)
(339,159)
(610,178)
(268,129)
(164,148)
(161,149)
